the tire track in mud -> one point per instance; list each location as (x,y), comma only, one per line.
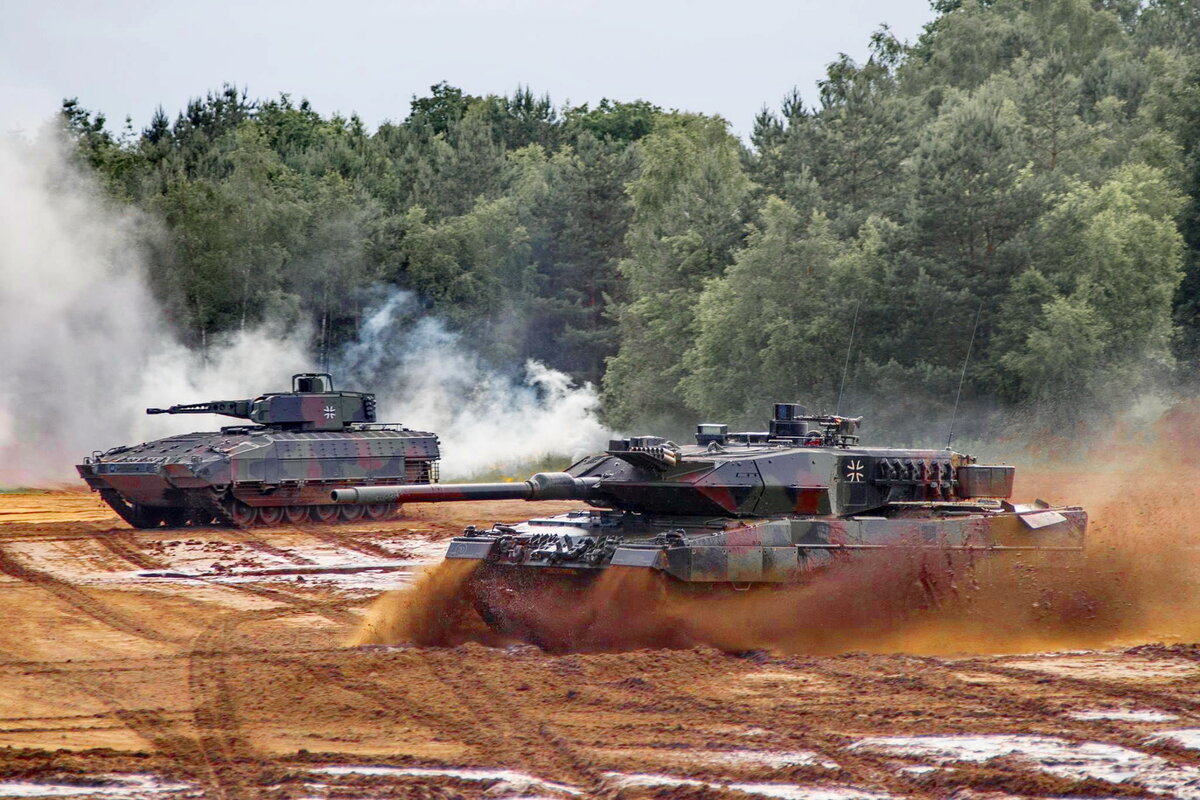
(865,770)
(155,726)
(85,603)
(81,600)
(245,537)
(229,758)
(498,712)
(332,610)
(408,700)
(214,711)
(347,540)
(53,536)
(1184,701)
(125,546)
(1036,716)
(1044,712)
(488,723)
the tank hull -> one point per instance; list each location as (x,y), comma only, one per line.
(530,576)
(248,475)
(769,550)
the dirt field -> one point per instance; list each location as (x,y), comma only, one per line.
(210,663)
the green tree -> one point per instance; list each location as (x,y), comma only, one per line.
(776,324)
(689,210)
(580,223)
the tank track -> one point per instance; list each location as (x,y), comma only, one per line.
(208,501)
(206,507)
(136,515)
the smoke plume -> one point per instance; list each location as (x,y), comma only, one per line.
(86,348)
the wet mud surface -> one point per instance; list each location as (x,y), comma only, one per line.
(213,663)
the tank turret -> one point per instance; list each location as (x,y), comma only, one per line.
(802,464)
(738,508)
(312,405)
(299,447)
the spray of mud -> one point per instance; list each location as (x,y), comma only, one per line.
(1137,583)
(434,612)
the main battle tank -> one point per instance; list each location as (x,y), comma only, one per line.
(749,508)
(303,444)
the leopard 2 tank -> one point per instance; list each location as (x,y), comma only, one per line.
(299,446)
(744,509)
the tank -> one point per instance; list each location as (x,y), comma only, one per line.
(299,446)
(744,509)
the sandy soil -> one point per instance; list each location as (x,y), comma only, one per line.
(211,663)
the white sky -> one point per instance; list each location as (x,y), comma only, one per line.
(371,56)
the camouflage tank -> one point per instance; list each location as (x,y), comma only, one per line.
(303,444)
(749,508)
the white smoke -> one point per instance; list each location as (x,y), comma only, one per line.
(85,349)
(486,420)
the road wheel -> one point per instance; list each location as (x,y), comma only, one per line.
(378,511)
(352,513)
(175,517)
(270,515)
(243,515)
(295,514)
(322,514)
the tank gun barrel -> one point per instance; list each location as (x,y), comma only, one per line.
(542,486)
(230,408)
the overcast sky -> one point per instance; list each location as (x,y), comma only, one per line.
(370,56)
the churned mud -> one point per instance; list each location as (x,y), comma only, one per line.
(213,663)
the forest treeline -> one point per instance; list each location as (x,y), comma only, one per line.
(1032,166)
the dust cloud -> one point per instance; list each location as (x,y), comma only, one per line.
(434,611)
(1135,584)
(86,348)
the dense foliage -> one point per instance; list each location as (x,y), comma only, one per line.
(1032,166)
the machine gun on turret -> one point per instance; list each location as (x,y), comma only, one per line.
(312,405)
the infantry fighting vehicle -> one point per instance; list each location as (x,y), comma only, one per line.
(749,508)
(301,445)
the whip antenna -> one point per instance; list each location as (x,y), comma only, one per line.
(846,367)
(963,376)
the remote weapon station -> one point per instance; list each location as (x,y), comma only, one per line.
(299,446)
(746,508)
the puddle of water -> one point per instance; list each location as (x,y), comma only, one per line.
(1124,715)
(754,732)
(1185,737)
(784,791)
(514,780)
(1107,668)
(922,770)
(774,759)
(120,787)
(1070,760)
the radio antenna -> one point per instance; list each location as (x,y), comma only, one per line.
(846,367)
(962,378)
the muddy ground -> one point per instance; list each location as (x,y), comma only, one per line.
(211,663)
